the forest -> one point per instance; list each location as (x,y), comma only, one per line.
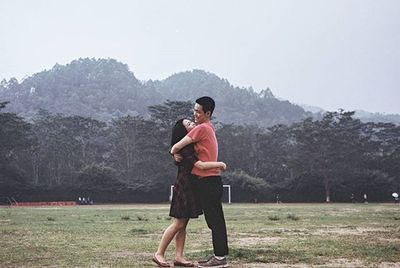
(59,157)
(91,128)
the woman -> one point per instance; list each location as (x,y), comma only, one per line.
(184,204)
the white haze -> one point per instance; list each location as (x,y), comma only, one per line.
(332,54)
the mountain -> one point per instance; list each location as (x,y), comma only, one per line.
(234,104)
(313,109)
(101,89)
(377,117)
(105,89)
(364,116)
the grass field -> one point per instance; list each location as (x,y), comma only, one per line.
(260,235)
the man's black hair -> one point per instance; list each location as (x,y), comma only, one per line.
(207,103)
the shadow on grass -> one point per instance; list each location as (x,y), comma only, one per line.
(248,255)
(139,231)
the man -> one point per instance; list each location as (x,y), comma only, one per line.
(210,183)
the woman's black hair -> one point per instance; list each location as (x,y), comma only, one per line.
(178,132)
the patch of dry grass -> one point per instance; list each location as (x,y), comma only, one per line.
(317,235)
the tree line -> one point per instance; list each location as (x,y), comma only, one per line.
(60,157)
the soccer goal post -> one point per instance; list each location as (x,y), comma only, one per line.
(228,186)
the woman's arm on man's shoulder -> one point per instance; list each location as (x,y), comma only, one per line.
(180,144)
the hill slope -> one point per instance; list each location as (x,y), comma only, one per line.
(105,88)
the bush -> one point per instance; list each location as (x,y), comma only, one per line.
(293,217)
(245,187)
(274,218)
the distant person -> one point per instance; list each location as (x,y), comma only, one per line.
(365,198)
(209,181)
(185,203)
(278,201)
(352,198)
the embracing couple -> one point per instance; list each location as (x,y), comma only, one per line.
(198,187)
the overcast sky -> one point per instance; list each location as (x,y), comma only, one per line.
(332,54)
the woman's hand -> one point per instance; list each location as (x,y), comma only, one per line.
(177,157)
(222,166)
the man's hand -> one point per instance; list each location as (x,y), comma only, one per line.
(178,157)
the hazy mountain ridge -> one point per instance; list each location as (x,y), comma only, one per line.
(364,116)
(377,117)
(234,104)
(104,89)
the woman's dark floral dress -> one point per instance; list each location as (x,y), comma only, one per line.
(185,202)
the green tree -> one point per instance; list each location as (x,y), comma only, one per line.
(166,114)
(15,138)
(238,146)
(67,145)
(139,154)
(329,149)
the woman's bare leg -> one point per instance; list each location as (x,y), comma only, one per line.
(180,239)
(169,233)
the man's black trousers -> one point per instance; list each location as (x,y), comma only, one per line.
(210,195)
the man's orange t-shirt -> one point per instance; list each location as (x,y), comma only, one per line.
(206,148)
